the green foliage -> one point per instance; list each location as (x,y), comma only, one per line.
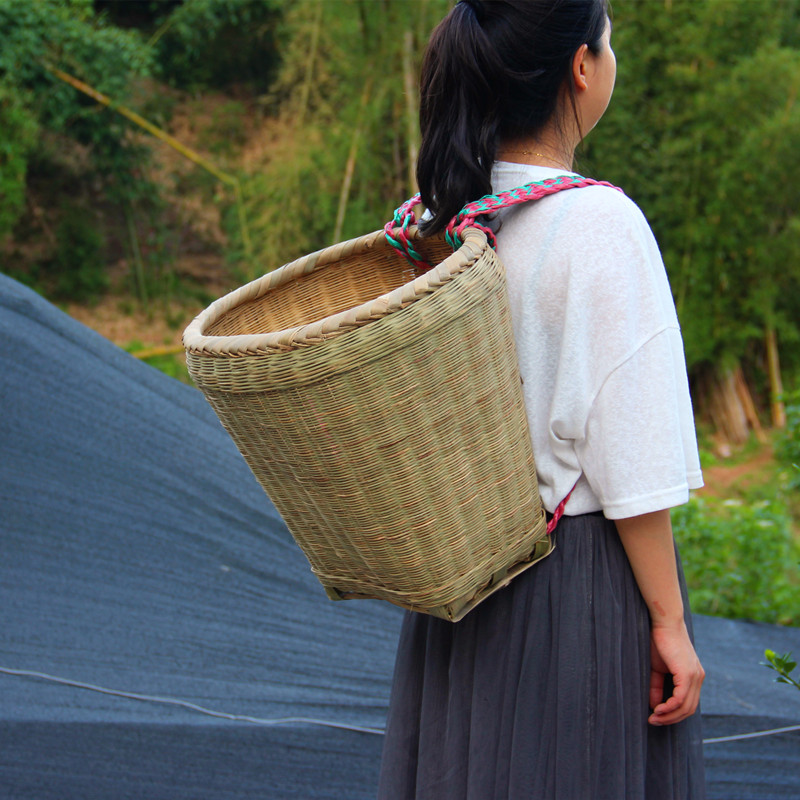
(226,131)
(282,216)
(78,270)
(172,364)
(788,446)
(44,119)
(19,132)
(217,43)
(702,133)
(65,33)
(339,95)
(740,560)
(784,665)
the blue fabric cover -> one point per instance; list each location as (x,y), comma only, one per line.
(139,555)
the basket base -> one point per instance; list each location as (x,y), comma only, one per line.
(459,607)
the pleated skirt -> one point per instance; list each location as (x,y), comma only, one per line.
(541,692)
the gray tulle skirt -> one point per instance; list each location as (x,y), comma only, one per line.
(539,693)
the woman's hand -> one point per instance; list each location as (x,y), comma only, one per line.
(650,548)
(672,653)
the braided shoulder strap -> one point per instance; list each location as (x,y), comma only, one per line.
(397,236)
(397,229)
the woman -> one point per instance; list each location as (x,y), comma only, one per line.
(579,681)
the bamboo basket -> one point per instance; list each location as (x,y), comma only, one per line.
(380,408)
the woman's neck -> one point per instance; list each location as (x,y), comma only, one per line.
(546,150)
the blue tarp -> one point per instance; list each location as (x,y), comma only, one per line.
(162,635)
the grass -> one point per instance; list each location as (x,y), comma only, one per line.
(170,363)
(740,559)
(740,539)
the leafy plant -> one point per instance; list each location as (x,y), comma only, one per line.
(783,665)
(49,127)
(216,43)
(740,560)
(788,446)
(226,129)
(345,132)
(78,268)
(19,132)
(170,363)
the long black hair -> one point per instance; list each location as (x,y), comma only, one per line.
(493,70)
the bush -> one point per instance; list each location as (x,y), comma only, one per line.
(19,133)
(788,446)
(218,43)
(740,560)
(46,122)
(79,265)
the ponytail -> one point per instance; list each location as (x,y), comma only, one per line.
(458,116)
(493,69)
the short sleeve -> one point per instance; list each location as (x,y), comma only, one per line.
(639,453)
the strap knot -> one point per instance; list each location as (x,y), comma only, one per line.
(404,217)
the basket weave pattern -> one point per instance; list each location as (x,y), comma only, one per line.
(381,411)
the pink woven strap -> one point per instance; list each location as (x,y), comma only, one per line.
(397,232)
(559,512)
(397,229)
(466,218)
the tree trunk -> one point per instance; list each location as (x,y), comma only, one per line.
(723,401)
(350,168)
(136,255)
(775,382)
(312,57)
(748,406)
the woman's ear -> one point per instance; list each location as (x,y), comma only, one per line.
(580,68)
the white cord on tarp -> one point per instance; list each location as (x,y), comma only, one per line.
(191,706)
(754,735)
(289,720)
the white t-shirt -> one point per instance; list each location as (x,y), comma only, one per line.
(600,350)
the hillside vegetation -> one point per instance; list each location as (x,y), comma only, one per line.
(156,154)
(301,122)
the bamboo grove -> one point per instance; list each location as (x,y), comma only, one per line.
(317,137)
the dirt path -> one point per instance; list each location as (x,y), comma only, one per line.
(125,327)
(724,479)
(119,317)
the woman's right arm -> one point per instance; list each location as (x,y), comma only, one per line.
(650,548)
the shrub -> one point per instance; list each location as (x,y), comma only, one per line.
(740,560)
(217,43)
(79,265)
(788,446)
(19,132)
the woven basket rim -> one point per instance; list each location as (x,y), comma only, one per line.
(197,342)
